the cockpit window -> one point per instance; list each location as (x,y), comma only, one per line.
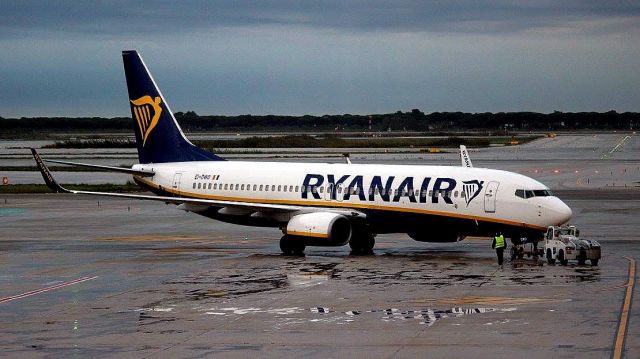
(535,193)
(542,193)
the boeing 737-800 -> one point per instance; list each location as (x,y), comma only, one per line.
(322,204)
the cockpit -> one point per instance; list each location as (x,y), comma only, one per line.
(522,193)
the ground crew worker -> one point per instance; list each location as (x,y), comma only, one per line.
(499,244)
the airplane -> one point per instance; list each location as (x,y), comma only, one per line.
(321,204)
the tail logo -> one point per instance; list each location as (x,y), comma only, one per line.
(471,190)
(147,113)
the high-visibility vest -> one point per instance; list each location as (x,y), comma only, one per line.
(500,242)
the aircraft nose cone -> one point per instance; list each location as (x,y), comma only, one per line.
(564,213)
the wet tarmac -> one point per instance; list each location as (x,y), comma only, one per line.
(137,279)
(87,277)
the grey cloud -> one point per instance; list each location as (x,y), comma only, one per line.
(28,18)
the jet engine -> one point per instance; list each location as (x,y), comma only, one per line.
(320,228)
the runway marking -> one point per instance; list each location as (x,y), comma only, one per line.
(624,314)
(46,289)
(620,144)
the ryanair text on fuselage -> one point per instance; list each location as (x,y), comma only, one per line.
(384,188)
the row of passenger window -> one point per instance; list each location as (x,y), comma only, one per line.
(315,189)
(533,193)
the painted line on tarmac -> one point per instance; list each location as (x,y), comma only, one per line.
(45,289)
(618,348)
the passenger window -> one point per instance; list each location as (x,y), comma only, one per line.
(273,188)
(430,193)
(226,186)
(194,185)
(237,186)
(199,185)
(290,188)
(315,190)
(266,188)
(242,187)
(279,188)
(255,186)
(455,194)
(260,188)
(321,189)
(339,189)
(297,189)
(210,184)
(285,188)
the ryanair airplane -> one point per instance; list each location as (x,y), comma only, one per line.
(322,204)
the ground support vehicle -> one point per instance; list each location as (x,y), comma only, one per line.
(564,244)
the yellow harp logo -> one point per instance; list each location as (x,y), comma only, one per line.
(147,112)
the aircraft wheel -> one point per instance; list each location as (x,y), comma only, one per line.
(362,244)
(594,262)
(291,246)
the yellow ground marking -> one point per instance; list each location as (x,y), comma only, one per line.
(152,237)
(469,300)
(477,238)
(618,347)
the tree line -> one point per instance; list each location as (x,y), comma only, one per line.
(414,120)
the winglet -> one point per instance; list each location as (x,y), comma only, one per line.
(48,178)
(464,157)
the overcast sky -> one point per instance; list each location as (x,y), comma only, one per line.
(322,57)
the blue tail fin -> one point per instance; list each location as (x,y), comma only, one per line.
(158,136)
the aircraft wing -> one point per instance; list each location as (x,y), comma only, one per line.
(106,168)
(53,185)
(464,157)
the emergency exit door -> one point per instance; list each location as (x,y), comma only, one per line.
(490,196)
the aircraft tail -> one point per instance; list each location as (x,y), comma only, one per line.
(158,136)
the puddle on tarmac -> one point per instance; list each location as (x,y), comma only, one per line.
(296,315)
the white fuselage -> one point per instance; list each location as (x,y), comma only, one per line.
(444,191)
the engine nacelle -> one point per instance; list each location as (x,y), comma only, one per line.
(320,228)
(437,237)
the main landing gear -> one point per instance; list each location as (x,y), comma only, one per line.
(362,243)
(292,246)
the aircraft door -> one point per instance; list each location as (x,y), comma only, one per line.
(490,194)
(175,186)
